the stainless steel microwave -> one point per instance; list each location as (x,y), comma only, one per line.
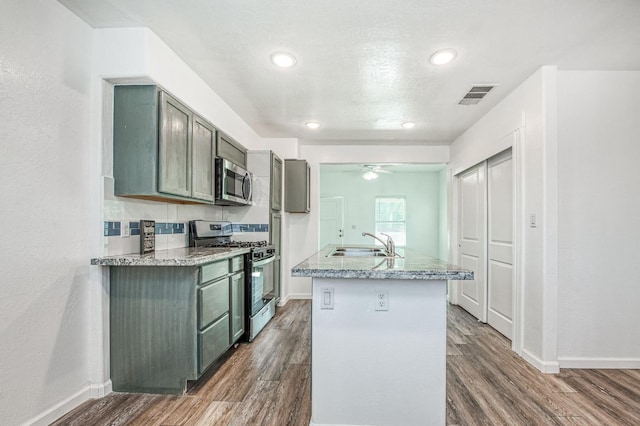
(234,184)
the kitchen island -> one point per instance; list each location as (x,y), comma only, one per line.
(378,338)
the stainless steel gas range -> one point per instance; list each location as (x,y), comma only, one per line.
(260,297)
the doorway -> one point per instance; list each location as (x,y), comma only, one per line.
(486,241)
(331,221)
(422,187)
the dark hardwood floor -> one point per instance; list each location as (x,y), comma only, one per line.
(268,383)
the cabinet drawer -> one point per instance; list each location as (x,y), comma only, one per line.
(237,264)
(213,301)
(212,342)
(214,270)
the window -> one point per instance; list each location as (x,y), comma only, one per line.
(391,218)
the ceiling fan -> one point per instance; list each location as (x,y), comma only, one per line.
(371,171)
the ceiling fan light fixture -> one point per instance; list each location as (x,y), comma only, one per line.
(408,125)
(369,175)
(312,124)
(443,56)
(283,59)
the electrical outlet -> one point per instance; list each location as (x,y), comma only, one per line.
(382,299)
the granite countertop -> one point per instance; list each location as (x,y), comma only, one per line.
(185,256)
(411,266)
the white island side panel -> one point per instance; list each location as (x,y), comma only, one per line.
(379,367)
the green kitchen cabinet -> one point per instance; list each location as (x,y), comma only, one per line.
(169,324)
(229,149)
(297,186)
(162,150)
(237,306)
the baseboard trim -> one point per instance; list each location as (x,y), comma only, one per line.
(293,296)
(600,363)
(102,389)
(552,367)
(63,407)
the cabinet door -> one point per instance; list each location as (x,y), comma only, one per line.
(174,162)
(204,144)
(231,150)
(237,306)
(276,183)
(276,279)
(275,231)
(297,181)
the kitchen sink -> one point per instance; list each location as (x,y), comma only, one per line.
(357,252)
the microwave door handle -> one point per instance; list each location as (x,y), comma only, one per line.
(247,178)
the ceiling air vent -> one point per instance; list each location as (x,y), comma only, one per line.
(476,94)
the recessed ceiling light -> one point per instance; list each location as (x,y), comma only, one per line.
(283,59)
(312,124)
(408,125)
(443,57)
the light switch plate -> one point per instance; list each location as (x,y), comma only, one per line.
(125,231)
(326,298)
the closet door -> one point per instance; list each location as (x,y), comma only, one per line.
(500,243)
(472,241)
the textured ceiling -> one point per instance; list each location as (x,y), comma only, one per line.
(363,65)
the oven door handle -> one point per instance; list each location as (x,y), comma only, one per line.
(264,261)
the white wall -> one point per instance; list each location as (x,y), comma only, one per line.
(302,229)
(599,219)
(45,192)
(422,193)
(530,107)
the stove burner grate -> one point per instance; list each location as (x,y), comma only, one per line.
(240,244)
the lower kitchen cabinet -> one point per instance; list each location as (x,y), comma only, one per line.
(213,342)
(237,306)
(169,324)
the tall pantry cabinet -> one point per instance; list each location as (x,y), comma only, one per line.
(267,169)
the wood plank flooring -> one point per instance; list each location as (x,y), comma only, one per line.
(268,382)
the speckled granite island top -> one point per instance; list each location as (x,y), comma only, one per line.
(185,256)
(411,266)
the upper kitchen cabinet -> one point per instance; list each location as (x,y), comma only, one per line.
(231,150)
(204,142)
(266,168)
(161,149)
(297,181)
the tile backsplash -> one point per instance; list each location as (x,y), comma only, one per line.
(113,229)
(169,235)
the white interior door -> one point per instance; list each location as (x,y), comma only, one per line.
(331,221)
(472,240)
(500,243)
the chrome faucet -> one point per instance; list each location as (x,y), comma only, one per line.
(389,246)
